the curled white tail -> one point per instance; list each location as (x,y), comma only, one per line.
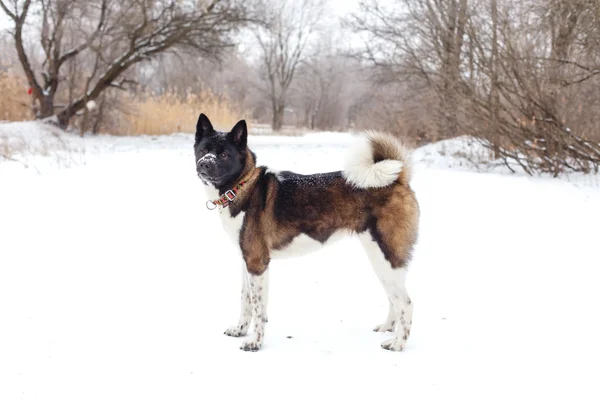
(377,160)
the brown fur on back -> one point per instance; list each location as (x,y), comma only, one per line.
(280,207)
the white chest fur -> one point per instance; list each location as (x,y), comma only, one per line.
(231,225)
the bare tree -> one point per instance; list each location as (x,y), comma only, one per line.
(417,38)
(109,36)
(521,77)
(283,39)
(323,88)
(528,102)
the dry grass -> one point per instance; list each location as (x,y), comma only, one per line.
(169,113)
(14,101)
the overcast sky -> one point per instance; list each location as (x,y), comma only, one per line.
(335,9)
(339,7)
(343,6)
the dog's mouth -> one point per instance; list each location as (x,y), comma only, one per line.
(209,179)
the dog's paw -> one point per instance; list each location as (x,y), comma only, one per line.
(385,327)
(237,331)
(251,345)
(395,344)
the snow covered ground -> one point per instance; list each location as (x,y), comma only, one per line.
(115,283)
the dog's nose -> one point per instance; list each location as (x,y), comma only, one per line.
(206,164)
(203,165)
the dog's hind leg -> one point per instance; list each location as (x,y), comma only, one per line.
(393,281)
(245,309)
(373,253)
(390,321)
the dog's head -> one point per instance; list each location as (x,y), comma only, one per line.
(220,156)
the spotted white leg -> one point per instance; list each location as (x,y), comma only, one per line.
(396,289)
(245,309)
(259,295)
(266,295)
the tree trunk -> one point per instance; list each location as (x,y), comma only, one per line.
(453,43)
(65,116)
(448,121)
(494,98)
(46,107)
(566,17)
(307,114)
(278,110)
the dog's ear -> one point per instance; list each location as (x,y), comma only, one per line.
(239,134)
(203,127)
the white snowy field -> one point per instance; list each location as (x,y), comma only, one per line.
(117,283)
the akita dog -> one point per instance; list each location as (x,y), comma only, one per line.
(274,214)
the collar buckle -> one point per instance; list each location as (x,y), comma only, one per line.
(226,198)
(230,195)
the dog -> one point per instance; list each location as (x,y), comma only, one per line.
(269,215)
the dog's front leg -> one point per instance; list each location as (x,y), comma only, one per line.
(258,285)
(245,309)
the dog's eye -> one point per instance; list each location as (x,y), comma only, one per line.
(223,154)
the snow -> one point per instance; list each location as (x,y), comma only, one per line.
(117,283)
